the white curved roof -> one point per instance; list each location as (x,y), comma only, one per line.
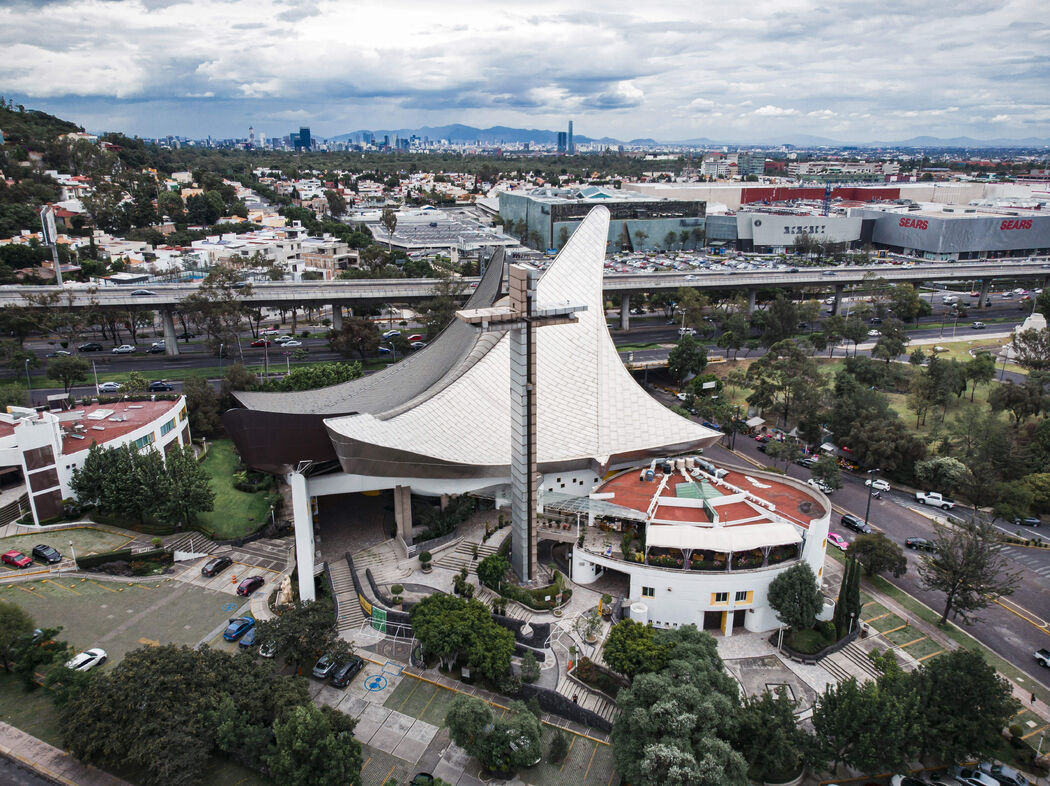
(588,405)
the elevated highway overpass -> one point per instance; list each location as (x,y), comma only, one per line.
(367,292)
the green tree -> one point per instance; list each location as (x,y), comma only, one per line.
(787,451)
(781,321)
(1021,401)
(202,405)
(879,554)
(310,750)
(785,380)
(358,337)
(905,302)
(632,648)
(217,308)
(388,219)
(892,342)
(795,596)
(963,704)
(319,375)
(980,369)
(336,202)
(302,633)
(69,371)
(15,625)
(827,471)
(437,312)
(855,330)
(189,490)
(13,395)
(1033,348)
(847,606)
(691,303)
(135,382)
(492,570)
(688,357)
(968,566)
(769,738)
(942,473)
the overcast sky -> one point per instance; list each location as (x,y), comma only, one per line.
(743,71)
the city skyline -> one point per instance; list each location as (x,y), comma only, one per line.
(158,67)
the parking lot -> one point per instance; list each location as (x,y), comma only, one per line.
(120,617)
(85,540)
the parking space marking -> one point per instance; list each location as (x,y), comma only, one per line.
(566,759)
(63,586)
(97,584)
(594,752)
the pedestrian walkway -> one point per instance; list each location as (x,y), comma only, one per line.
(51,762)
(350,615)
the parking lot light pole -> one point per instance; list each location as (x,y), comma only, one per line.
(871,488)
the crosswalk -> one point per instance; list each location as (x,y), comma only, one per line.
(1035,560)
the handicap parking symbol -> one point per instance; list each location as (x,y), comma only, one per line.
(229,606)
(376,683)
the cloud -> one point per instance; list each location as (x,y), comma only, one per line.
(783,66)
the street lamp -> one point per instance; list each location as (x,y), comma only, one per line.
(29,384)
(220,358)
(871,488)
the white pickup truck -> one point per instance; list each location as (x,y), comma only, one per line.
(934,498)
(1043,657)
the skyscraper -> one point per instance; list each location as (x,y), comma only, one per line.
(571,146)
(304,139)
(251,136)
(562,141)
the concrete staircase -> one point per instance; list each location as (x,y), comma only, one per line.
(193,541)
(462,556)
(585,697)
(349,607)
(384,562)
(850,661)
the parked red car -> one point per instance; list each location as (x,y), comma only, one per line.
(261,342)
(249,585)
(16,559)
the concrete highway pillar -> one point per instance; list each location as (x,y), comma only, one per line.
(838,299)
(171,344)
(625,311)
(337,317)
(403,512)
(304,535)
(751,294)
(982,299)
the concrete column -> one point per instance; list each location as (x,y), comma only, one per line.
(625,311)
(403,512)
(838,299)
(751,294)
(444,501)
(171,344)
(982,299)
(523,450)
(337,317)
(304,535)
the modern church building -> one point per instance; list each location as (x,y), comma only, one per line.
(459,415)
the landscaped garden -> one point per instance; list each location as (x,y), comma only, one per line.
(235,512)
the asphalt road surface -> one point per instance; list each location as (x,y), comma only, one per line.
(1014,628)
(13,774)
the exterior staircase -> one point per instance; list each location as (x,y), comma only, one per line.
(383,561)
(193,542)
(462,556)
(585,697)
(850,661)
(348,607)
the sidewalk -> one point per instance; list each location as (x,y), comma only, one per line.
(51,762)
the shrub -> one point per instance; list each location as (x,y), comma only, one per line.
(530,668)
(559,746)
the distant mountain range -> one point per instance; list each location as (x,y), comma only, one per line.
(497,135)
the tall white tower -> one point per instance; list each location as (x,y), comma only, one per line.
(251,136)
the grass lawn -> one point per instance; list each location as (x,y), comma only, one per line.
(636,347)
(86,540)
(32,711)
(236,512)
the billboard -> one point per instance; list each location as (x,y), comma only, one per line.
(782,230)
(961,234)
(47,225)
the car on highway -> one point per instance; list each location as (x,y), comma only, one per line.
(874,334)
(686,331)
(416,337)
(186,336)
(143,293)
(1006,776)
(161,386)
(123,349)
(91,346)
(60,353)
(878,484)
(855,523)
(157,348)
(282,339)
(260,342)
(269,332)
(292,343)
(807,461)
(1027,521)
(390,334)
(16,559)
(418,344)
(323,668)
(820,485)
(1043,657)
(919,544)
(46,554)
(249,585)
(383,350)
(835,539)
(237,627)
(109,387)
(978,326)
(215,566)
(87,660)
(342,676)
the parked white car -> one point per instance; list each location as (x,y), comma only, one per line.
(124,349)
(87,660)
(109,387)
(877,485)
